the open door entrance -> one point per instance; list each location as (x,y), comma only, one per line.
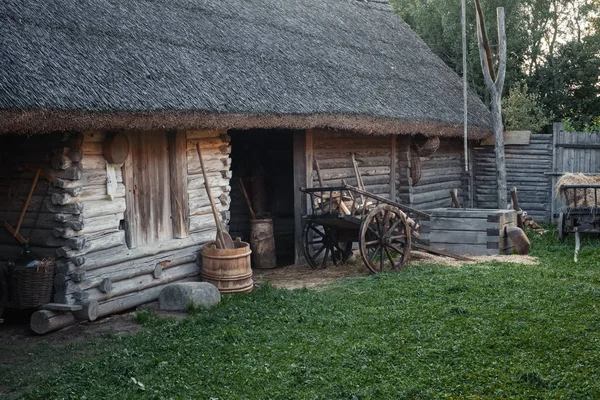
(263,159)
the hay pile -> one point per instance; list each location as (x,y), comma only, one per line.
(579,197)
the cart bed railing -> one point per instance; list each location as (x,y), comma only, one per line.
(581,197)
(349,200)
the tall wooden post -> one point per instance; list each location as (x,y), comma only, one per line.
(495,85)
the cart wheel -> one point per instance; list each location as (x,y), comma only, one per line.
(561,228)
(320,241)
(385,239)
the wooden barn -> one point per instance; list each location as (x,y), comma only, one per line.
(102,104)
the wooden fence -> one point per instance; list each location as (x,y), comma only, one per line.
(527,168)
(535,167)
(572,152)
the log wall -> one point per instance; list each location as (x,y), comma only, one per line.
(95,261)
(333,149)
(527,168)
(51,210)
(440,172)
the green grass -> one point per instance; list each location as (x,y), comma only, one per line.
(485,331)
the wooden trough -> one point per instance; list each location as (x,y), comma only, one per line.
(469,230)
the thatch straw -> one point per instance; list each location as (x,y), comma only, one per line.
(344,63)
(579,197)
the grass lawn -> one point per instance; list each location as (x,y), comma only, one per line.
(481,331)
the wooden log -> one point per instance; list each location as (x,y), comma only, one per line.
(128,301)
(381,159)
(101,242)
(75,155)
(98,192)
(143,266)
(215,180)
(61,162)
(97,136)
(202,134)
(44,220)
(75,140)
(96,177)
(123,254)
(346,173)
(145,281)
(89,310)
(44,321)
(105,285)
(61,307)
(193,167)
(99,208)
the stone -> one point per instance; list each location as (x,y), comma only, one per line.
(179,296)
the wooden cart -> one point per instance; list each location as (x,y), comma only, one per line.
(581,212)
(340,216)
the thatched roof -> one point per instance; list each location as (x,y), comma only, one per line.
(344,64)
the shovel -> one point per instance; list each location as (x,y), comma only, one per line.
(223,239)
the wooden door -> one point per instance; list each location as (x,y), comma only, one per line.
(146,177)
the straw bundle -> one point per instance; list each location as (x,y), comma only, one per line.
(579,197)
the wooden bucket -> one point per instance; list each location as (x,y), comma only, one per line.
(228,269)
(262,242)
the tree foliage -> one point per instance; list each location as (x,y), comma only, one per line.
(553,46)
(523,110)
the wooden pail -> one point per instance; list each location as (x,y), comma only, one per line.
(262,242)
(228,269)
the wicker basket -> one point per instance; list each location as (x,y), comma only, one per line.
(31,286)
(429,147)
(415,167)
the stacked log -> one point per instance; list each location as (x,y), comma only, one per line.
(109,272)
(526,168)
(333,150)
(441,171)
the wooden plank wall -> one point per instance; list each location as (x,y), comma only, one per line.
(105,268)
(440,172)
(526,167)
(333,151)
(577,152)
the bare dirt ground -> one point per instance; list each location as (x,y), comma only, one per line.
(17,340)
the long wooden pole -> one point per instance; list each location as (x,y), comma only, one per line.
(463,21)
(220,236)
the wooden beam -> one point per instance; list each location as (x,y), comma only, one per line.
(393,168)
(177,144)
(302,153)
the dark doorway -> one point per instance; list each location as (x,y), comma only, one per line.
(263,159)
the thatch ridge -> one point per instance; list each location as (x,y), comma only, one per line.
(329,63)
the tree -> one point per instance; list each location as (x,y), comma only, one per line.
(495,83)
(523,110)
(537,31)
(569,83)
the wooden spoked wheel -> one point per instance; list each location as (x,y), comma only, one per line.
(385,239)
(321,246)
(560,227)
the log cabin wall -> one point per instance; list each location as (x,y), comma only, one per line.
(333,151)
(440,172)
(52,210)
(116,270)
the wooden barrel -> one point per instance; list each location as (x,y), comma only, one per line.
(228,269)
(262,242)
